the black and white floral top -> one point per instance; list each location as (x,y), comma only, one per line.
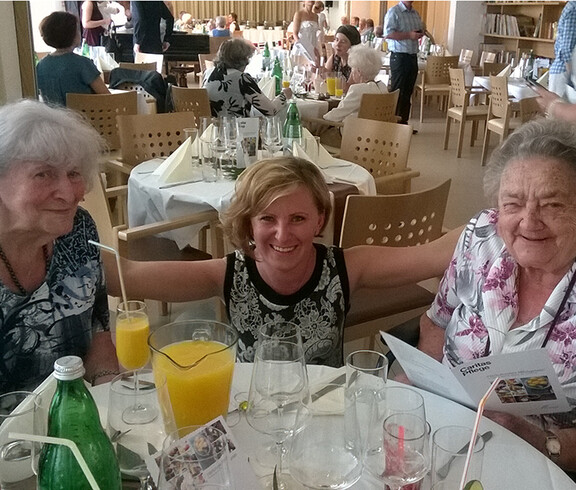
(234,93)
(319,307)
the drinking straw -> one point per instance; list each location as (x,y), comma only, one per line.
(483,401)
(120,275)
(401,435)
(64,442)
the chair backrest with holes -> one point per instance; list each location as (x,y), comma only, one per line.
(144,137)
(191,99)
(466,56)
(101,111)
(458,95)
(397,220)
(139,66)
(499,103)
(436,71)
(487,57)
(379,107)
(380,147)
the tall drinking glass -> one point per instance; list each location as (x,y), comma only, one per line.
(279,397)
(271,134)
(206,130)
(132,330)
(17,414)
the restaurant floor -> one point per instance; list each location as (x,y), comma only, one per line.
(435,166)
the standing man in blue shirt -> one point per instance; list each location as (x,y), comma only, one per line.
(563,47)
(402,29)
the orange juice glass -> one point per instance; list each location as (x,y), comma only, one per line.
(132,330)
(197,357)
(331,83)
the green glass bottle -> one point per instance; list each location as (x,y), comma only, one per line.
(292,131)
(266,59)
(73,415)
(85,49)
(277,73)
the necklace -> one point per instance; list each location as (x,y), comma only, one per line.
(13,274)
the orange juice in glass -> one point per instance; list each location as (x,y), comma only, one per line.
(197,357)
(339,86)
(132,330)
(331,83)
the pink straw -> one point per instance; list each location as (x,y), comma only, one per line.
(472,444)
(401,443)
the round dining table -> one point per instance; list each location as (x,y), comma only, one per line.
(509,462)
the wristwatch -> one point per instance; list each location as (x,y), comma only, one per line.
(552,446)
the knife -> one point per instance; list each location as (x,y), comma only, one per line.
(332,385)
(183,182)
(442,472)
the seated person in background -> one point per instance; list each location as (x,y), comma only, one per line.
(355,22)
(346,36)
(220,30)
(365,63)
(379,31)
(53,299)
(368,31)
(510,284)
(232,22)
(344,20)
(62,71)
(233,92)
(278,272)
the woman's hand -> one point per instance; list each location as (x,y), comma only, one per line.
(287,92)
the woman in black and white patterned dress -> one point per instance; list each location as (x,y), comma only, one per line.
(233,92)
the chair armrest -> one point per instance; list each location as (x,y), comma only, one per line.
(384,183)
(167,225)
(119,166)
(116,191)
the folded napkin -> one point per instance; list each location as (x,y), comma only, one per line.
(268,87)
(178,166)
(505,72)
(543,80)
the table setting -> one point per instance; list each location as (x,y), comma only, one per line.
(302,426)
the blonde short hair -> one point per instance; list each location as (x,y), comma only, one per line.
(260,184)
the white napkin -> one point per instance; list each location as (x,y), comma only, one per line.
(543,80)
(322,160)
(268,87)
(178,166)
(505,72)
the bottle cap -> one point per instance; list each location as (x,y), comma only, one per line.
(68,368)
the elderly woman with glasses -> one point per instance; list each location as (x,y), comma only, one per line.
(233,92)
(510,284)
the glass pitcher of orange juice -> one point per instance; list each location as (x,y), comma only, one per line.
(197,357)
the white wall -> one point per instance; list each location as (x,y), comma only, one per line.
(466,17)
(10,82)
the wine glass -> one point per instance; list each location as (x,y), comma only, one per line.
(271,134)
(132,330)
(136,439)
(279,397)
(229,131)
(406,450)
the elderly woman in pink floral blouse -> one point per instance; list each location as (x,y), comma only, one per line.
(510,285)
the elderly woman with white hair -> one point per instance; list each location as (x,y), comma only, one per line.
(365,63)
(53,299)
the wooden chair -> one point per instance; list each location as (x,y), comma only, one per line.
(139,66)
(191,99)
(394,221)
(379,107)
(493,68)
(206,61)
(143,137)
(466,56)
(140,242)
(216,42)
(500,118)
(460,110)
(487,57)
(157,59)
(381,148)
(436,80)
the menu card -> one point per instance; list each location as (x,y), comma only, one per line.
(528,383)
(247,143)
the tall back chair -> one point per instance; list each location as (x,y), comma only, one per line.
(487,57)
(466,56)
(144,137)
(436,80)
(379,107)
(158,59)
(460,110)
(206,61)
(499,119)
(381,148)
(394,221)
(191,99)
(216,42)
(493,68)
(139,66)
(101,111)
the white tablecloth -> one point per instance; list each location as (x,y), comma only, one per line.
(257,36)
(517,87)
(147,203)
(509,462)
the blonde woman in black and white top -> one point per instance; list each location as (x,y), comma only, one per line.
(365,63)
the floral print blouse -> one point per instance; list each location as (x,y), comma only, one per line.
(234,93)
(477,300)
